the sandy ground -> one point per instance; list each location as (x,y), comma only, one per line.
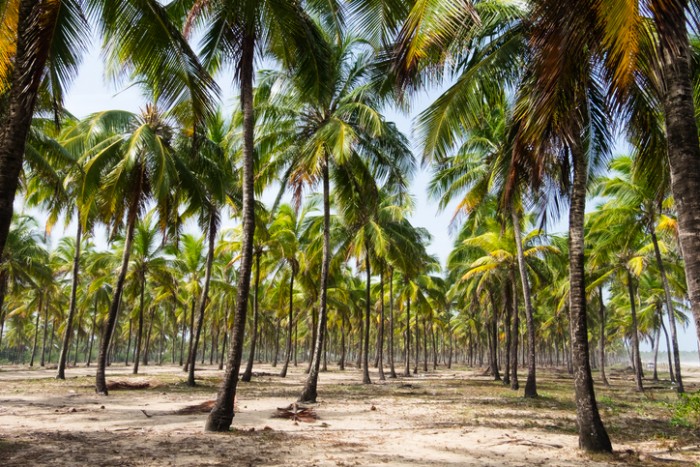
(441,418)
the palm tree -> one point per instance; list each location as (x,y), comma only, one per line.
(50,39)
(246,27)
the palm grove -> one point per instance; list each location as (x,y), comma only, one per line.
(537,94)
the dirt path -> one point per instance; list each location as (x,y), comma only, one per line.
(444,418)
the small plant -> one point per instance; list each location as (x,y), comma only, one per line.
(686,412)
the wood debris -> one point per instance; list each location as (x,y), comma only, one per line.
(128,384)
(297,413)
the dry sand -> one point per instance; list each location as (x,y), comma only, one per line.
(441,418)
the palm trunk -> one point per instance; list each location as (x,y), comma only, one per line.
(508,312)
(190,356)
(657,344)
(380,330)
(515,333)
(36,338)
(668,353)
(61,373)
(341,362)
(248,373)
(682,138)
(139,332)
(290,324)
(309,392)
(368,308)
(602,338)
(635,335)
(407,338)
(205,294)
(100,381)
(31,53)
(222,414)
(392,367)
(46,331)
(147,346)
(92,333)
(671,314)
(531,383)
(592,433)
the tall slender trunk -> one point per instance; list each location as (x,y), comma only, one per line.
(392,367)
(309,392)
(46,330)
(531,383)
(425,345)
(668,353)
(368,309)
(514,334)
(147,346)
(682,139)
(3,290)
(657,344)
(248,373)
(92,333)
(314,334)
(341,362)
(139,332)
(100,380)
(508,312)
(276,343)
(213,216)
(380,330)
(30,57)
(61,373)
(222,414)
(635,335)
(224,340)
(36,337)
(290,324)
(671,313)
(592,433)
(407,338)
(602,338)
(190,355)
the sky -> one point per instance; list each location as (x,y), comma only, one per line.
(90,93)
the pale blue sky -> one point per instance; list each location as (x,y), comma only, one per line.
(89,93)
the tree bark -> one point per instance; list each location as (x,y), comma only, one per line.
(61,373)
(36,337)
(380,329)
(248,373)
(290,324)
(392,367)
(407,339)
(205,294)
(671,314)
(221,416)
(100,381)
(682,139)
(515,332)
(139,332)
(309,392)
(592,433)
(637,360)
(31,53)
(531,383)
(602,338)
(368,309)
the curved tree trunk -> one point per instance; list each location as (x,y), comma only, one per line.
(92,333)
(309,393)
(368,309)
(637,360)
(36,337)
(222,414)
(682,139)
(100,381)
(61,373)
(531,383)
(248,373)
(592,433)
(34,29)
(671,314)
(290,325)
(205,295)
(507,315)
